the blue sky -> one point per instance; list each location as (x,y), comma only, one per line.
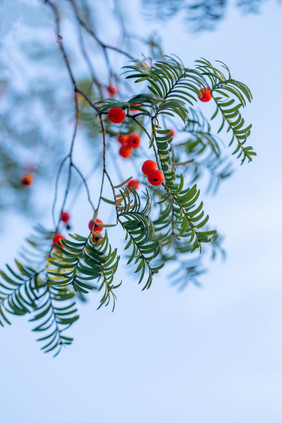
(205,355)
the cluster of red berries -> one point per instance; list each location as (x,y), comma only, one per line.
(206,94)
(128,142)
(155,176)
(96,231)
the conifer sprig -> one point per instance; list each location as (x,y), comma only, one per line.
(139,230)
(164,224)
(230,96)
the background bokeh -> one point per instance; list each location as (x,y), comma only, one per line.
(209,354)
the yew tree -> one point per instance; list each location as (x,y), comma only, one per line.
(147,130)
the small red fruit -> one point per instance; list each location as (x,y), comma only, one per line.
(96,237)
(122,139)
(148,166)
(125,151)
(97,228)
(112,90)
(156,177)
(133,140)
(27,180)
(206,94)
(116,114)
(133,183)
(65,217)
(56,240)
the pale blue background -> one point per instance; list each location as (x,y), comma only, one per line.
(205,355)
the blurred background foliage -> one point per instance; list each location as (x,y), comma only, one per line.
(36,110)
(199,15)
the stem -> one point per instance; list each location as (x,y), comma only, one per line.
(104,161)
(86,186)
(104,46)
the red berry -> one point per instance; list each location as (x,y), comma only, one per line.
(156,177)
(206,94)
(27,180)
(133,140)
(112,90)
(97,228)
(56,240)
(133,183)
(122,139)
(149,165)
(125,151)
(96,237)
(65,217)
(116,114)
(171,132)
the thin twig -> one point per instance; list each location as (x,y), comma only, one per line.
(86,186)
(85,54)
(87,99)
(104,161)
(89,174)
(67,62)
(56,189)
(97,39)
